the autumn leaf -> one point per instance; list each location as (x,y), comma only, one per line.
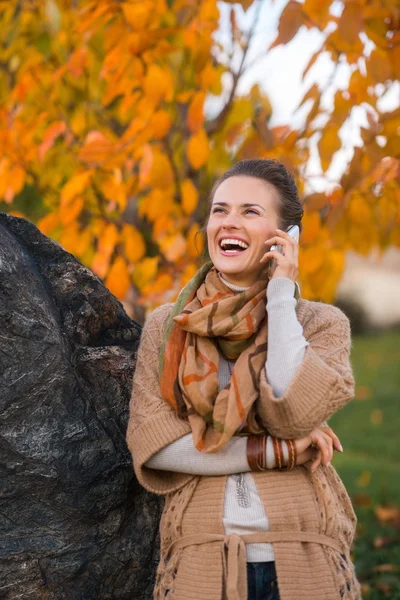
(292,18)
(190,196)
(198,149)
(75,186)
(328,144)
(118,280)
(195,118)
(134,245)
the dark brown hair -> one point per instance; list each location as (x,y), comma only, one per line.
(274,173)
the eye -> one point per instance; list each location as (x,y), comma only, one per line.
(253,210)
(216,210)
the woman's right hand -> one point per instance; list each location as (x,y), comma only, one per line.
(317,447)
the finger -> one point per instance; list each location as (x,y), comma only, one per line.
(278,240)
(273,254)
(336,441)
(316,462)
(324,444)
(287,236)
(329,442)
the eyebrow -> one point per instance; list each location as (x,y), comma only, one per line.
(245,205)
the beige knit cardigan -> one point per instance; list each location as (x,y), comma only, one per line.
(312,522)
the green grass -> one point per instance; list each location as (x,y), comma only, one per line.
(369,429)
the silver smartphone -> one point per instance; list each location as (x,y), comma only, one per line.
(294,232)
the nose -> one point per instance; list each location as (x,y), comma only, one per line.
(231,220)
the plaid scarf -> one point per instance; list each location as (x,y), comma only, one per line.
(206,318)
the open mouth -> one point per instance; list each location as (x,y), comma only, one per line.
(231,247)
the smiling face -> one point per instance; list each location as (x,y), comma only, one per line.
(244,211)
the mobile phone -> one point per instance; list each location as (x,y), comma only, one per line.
(294,232)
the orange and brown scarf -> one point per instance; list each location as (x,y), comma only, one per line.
(208,317)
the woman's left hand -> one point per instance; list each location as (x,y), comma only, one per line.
(287,264)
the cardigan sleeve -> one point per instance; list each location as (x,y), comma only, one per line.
(153,424)
(322,384)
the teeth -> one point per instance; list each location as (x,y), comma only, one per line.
(232,241)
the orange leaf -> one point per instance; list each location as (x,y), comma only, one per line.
(118,280)
(69,211)
(158,84)
(198,149)
(96,149)
(195,241)
(106,246)
(160,124)
(189,272)
(52,133)
(48,223)
(190,196)
(318,11)
(161,174)
(75,186)
(195,117)
(328,144)
(378,66)
(351,22)
(173,247)
(133,243)
(311,226)
(138,15)
(292,18)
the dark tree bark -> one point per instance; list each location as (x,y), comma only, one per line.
(74,522)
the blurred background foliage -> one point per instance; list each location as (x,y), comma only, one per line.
(105,143)
(117,116)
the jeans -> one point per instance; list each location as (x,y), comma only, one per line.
(262,583)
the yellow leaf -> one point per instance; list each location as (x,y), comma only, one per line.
(115,191)
(189,272)
(198,149)
(161,174)
(173,247)
(195,241)
(118,280)
(364,479)
(328,144)
(210,79)
(195,117)
(138,15)
(160,124)
(351,22)
(96,149)
(156,204)
(145,271)
(318,10)
(16,180)
(48,223)
(359,211)
(51,134)
(75,186)
(311,226)
(310,259)
(106,246)
(70,211)
(158,84)
(376,417)
(190,196)
(133,243)
(378,66)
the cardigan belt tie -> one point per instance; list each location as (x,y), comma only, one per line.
(235,549)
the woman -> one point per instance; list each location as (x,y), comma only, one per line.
(232,387)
